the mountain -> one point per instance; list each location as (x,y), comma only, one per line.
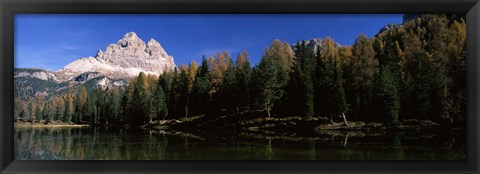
(46,84)
(124,59)
(406,18)
(35,82)
(315,44)
(388,27)
(112,68)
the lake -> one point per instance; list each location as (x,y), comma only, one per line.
(90,143)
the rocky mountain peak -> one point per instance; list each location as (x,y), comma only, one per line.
(131,40)
(126,58)
(387,27)
(155,49)
(130,35)
(315,44)
(153,42)
(99,54)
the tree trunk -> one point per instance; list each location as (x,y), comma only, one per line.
(345,119)
(346,139)
(331,120)
(268,111)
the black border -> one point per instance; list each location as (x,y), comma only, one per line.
(8,8)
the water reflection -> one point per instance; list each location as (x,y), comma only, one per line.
(109,144)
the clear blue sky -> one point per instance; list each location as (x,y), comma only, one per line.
(52,41)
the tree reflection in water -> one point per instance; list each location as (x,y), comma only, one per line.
(118,144)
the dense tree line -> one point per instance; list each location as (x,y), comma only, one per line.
(415,71)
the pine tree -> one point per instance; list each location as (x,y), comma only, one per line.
(82,101)
(242,76)
(115,106)
(38,113)
(125,107)
(69,110)
(269,88)
(330,93)
(45,111)
(58,108)
(421,72)
(161,109)
(175,91)
(341,106)
(190,79)
(200,98)
(391,54)
(300,89)
(30,112)
(48,112)
(323,81)
(365,67)
(346,67)
(165,81)
(388,96)
(183,91)
(227,92)
(140,101)
(218,66)
(283,58)
(104,106)
(91,107)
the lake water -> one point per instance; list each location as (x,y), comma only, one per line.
(113,144)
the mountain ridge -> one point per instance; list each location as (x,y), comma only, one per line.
(124,59)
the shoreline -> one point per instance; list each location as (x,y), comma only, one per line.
(42,125)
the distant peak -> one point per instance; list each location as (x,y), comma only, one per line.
(313,41)
(130,35)
(99,54)
(153,41)
(130,39)
(316,40)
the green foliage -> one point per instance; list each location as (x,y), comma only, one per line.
(68,110)
(140,101)
(38,113)
(329,92)
(243,77)
(200,97)
(300,88)
(30,111)
(159,103)
(388,98)
(364,69)
(268,83)
(420,71)
(166,82)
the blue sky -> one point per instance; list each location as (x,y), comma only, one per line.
(52,41)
